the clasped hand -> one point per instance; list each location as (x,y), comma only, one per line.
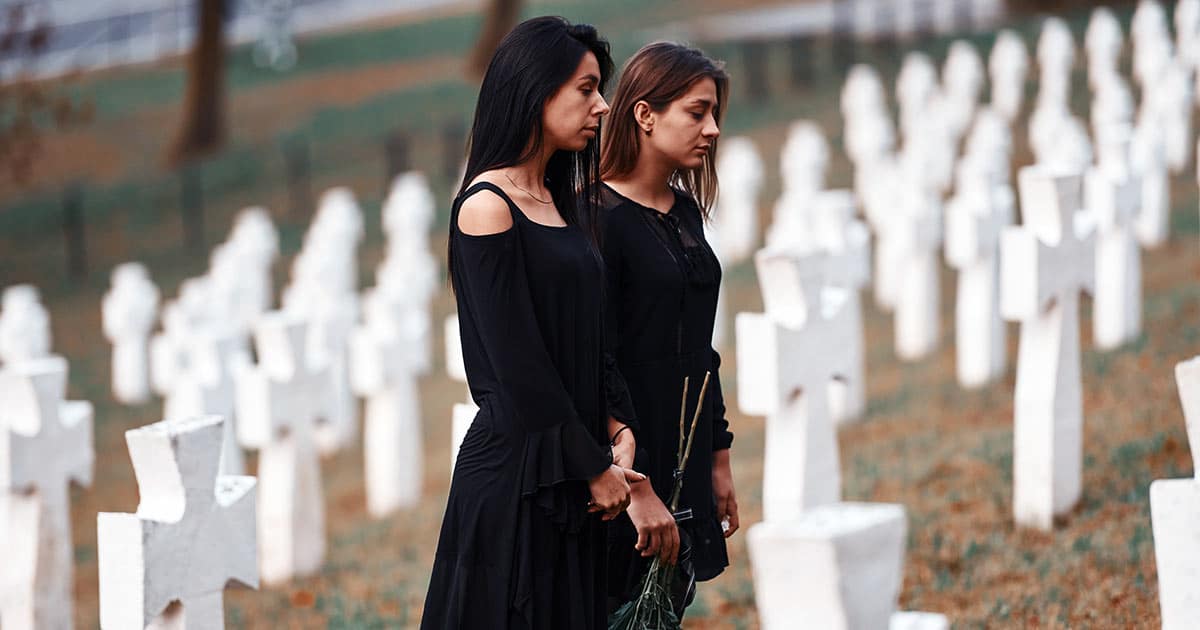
(610,490)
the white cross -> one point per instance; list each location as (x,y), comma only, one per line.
(384,369)
(1112,194)
(787,358)
(168,564)
(1175,516)
(974,220)
(917,232)
(24,325)
(129,310)
(45,444)
(204,383)
(1045,264)
(278,404)
(846,242)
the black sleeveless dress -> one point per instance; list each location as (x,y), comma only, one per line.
(662,285)
(518,548)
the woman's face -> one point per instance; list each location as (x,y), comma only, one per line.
(684,132)
(571,117)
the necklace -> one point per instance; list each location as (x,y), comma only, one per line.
(531,195)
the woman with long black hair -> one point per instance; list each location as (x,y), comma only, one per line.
(662,283)
(522,543)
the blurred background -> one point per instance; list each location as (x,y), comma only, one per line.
(138,129)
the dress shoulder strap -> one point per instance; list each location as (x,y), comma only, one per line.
(478,186)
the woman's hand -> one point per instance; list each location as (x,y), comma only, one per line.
(610,490)
(722,482)
(657,532)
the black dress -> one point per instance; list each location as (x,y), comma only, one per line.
(517,547)
(662,282)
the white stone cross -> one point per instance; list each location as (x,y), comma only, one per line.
(45,444)
(384,369)
(1045,264)
(128,313)
(835,566)
(24,325)
(962,80)
(916,85)
(1187,31)
(463,414)
(786,359)
(741,170)
(331,310)
(917,233)
(1008,65)
(1103,41)
(1149,162)
(278,404)
(1175,517)
(204,382)
(974,220)
(167,565)
(1112,194)
(846,242)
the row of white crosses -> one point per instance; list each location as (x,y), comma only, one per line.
(809,219)
(391,349)
(817,561)
(45,444)
(734,232)
(323,293)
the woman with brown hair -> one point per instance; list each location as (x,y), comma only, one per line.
(662,281)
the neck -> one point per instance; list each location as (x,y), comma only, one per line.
(531,174)
(649,181)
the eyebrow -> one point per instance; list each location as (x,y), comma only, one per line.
(590,77)
(701,101)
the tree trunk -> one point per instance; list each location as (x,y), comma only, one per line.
(202,129)
(500,18)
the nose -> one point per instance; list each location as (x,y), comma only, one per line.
(711,131)
(602,107)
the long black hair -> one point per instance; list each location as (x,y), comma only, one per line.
(532,62)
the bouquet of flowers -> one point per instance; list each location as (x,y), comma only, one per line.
(653,608)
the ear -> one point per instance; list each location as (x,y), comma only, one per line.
(644,116)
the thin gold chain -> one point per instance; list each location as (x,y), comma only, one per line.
(533,196)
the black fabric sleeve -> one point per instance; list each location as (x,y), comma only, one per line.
(722,437)
(493,285)
(616,391)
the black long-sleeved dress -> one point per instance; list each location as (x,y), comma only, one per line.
(662,281)
(517,547)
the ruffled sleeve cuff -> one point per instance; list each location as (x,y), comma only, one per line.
(554,456)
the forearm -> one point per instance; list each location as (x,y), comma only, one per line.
(623,442)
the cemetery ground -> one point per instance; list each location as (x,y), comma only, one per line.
(942,452)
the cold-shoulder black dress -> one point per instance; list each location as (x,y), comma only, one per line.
(518,548)
(662,281)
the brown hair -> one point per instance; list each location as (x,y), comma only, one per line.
(660,73)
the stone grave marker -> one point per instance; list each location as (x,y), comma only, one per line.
(974,221)
(167,565)
(780,377)
(278,404)
(1175,516)
(128,313)
(1112,194)
(1045,264)
(1008,65)
(45,445)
